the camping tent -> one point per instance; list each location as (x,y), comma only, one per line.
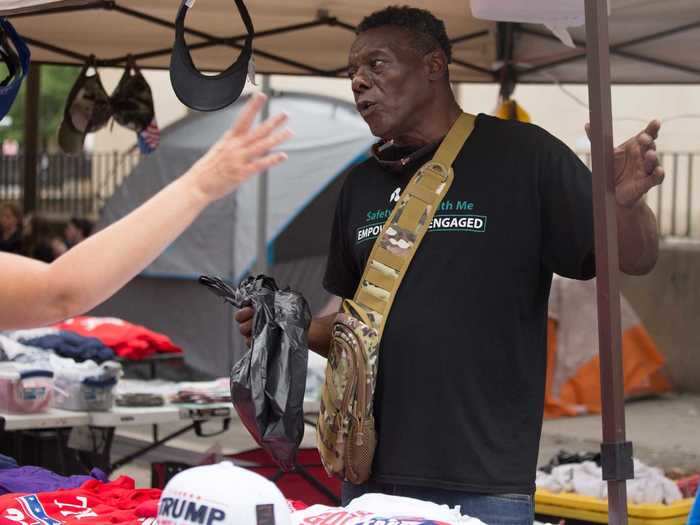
(329,136)
(573,361)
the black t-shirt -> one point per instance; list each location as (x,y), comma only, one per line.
(462,364)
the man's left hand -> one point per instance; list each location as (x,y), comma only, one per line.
(637,167)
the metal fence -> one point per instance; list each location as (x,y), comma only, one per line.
(676,202)
(79,185)
(68,185)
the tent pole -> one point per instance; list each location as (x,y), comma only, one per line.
(263,193)
(615,450)
(31,138)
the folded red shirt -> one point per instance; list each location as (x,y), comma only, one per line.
(129,341)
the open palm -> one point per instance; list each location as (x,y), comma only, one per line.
(637,167)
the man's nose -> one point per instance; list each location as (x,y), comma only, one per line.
(360,81)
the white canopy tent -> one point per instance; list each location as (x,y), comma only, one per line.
(652,41)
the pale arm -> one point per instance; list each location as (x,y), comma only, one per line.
(35,294)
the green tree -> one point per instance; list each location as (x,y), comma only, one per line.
(55,84)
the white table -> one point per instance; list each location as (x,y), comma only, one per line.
(190,414)
(58,422)
(53,418)
(118,416)
(121,416)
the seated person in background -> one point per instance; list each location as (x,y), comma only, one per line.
(39,241)
(76,230)
(10,228)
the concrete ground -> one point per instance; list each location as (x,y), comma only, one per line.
(665,432)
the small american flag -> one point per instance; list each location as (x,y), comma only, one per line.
(149,138)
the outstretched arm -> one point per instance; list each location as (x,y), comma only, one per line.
(637,170)
(35,294)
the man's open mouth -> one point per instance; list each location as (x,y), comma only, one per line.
(365,106)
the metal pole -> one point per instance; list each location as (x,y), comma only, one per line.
(616,451)
(674,194)
(689,227)
(261,261)
(660,200)
(31,138)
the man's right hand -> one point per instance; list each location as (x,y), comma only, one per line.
(319,332)
(244,317)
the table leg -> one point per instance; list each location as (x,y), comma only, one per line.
(135,455)
(316,483)
(100,456)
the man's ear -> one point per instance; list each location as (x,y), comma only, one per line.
(436,64)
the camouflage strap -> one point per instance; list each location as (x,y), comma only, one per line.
(408,223)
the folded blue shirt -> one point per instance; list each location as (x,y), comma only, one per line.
(77,347)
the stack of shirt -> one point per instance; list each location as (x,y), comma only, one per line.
(380,508)
(129,341)
(65,344)
(94,502)
(40,496)
(648,486)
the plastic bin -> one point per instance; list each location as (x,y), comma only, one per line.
(88,395)
(585,508)
(25,390)
(86,387)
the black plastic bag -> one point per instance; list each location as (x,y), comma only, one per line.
(269,381)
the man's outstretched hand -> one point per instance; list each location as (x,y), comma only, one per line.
(637,167)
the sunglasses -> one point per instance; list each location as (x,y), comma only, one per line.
(396,158)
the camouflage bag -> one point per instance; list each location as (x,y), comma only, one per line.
(346,436)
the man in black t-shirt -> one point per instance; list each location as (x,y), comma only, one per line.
(460,391)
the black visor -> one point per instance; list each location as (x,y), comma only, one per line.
(205,92)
